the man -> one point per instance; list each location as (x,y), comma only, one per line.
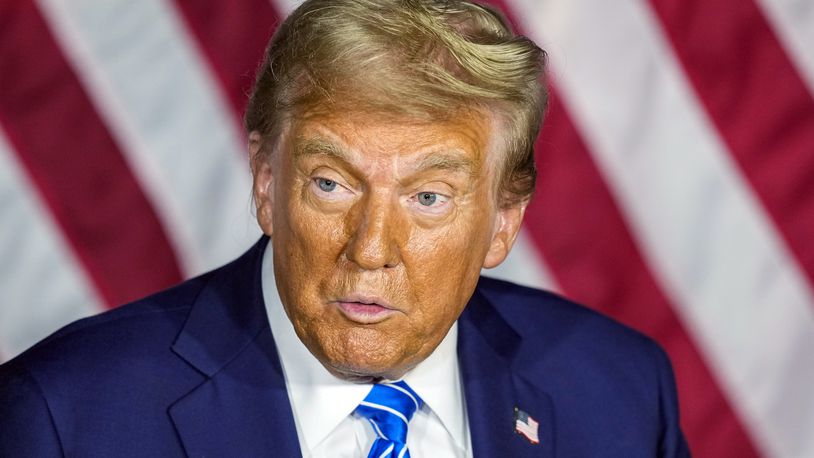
(391,148)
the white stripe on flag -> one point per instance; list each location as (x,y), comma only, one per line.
(169,116)
(528,429)
(41,284)
(793,23)
(285,7)
(697,222)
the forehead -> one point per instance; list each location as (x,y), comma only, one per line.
(465,140)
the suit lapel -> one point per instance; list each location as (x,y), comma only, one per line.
(492,388)
(242,407)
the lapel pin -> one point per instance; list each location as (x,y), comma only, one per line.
(526,426)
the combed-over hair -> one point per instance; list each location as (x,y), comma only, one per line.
(424,59)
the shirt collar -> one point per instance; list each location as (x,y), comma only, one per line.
(321,401)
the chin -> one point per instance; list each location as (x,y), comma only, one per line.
(368,364)
(361,353)
(366,375)
(355,375)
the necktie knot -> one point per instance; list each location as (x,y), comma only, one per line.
(389,407)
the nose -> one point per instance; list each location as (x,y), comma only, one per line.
(374,225)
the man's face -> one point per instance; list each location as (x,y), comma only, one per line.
(380,229)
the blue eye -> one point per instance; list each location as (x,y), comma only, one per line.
(326,184)
(427,198)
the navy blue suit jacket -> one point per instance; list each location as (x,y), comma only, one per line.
(194,370)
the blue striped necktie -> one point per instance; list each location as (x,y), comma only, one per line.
(389,407)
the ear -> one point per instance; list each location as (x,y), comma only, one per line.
(263,184)
(507,224)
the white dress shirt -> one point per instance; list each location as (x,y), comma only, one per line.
(323,405)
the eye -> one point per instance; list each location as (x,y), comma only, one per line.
(330,189)
(426,198)
(325,184)
(429,202)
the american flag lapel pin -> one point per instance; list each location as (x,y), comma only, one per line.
(526,426)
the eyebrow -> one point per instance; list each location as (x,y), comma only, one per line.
(318,146)
(450,161)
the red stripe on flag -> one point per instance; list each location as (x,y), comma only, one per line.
(76,166)
(233,38)
(758,102)
(575,222)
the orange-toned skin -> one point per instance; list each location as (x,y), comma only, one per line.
(405,212)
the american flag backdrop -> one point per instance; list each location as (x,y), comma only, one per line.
(676,178)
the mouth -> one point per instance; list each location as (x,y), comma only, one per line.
(364,309)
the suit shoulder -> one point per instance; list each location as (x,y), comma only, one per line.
(602,375)
(91,371)
(116,334)
(142,331)
(546,317)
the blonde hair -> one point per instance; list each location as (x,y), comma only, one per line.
(430,59)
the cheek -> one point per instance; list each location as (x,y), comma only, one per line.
(443,266)
(312,235)
(307,246)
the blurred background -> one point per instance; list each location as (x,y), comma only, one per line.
(676,178)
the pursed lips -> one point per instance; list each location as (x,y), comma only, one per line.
(364,309)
